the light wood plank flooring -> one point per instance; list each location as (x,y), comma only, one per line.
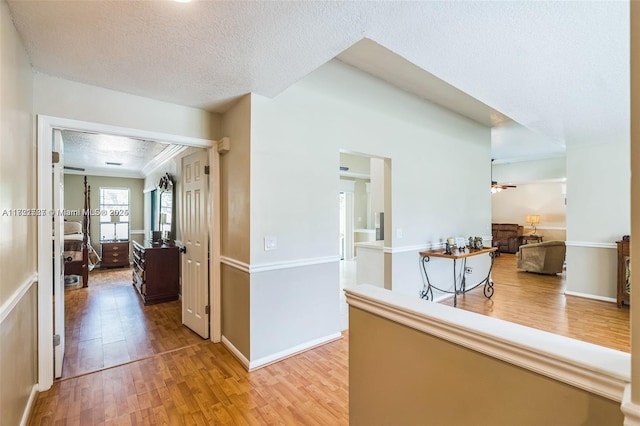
(538,301)
(203,384)
(107,324)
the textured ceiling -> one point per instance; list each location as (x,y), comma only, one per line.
(92,152)
(559,68)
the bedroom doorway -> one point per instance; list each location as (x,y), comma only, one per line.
(46,129)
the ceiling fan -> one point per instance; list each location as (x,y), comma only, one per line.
(495,187)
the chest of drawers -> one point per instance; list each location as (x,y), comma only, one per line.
(156,272)
(115,254)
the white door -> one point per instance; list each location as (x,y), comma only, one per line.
(195,237)
(58,260)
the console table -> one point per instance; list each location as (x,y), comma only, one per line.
(526,239)
(459,279)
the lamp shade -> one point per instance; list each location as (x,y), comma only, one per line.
(115,218)
(533,218)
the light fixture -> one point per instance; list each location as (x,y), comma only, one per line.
(533,220)
(115,219)
(495,187)
(182,1)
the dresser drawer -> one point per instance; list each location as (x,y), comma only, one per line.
(115,254)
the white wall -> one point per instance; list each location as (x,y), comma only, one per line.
(547,170)
(598,214)
(68,99)
(296,140)
(544,199)
(18,245)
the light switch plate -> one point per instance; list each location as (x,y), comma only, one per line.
(270,243)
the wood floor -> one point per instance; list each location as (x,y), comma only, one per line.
(106,324)
(204,384)
(539,301)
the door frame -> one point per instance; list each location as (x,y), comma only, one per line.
(45,127)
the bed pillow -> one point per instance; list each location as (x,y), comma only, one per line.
(72,228)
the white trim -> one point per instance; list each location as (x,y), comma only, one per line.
(423,247)
(88,127)
(16,297)
(590,296)
(137,232)
(630,410)
(274,266)
(279,356)
(167,154)
(590,244)
(235,352)
(88,171)
(45,126)
(236,264)
(355,175)
(27,410)
(531,157)
(596,369)
(416,249)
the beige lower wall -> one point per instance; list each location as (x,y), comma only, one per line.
(400,376)
(235,308)
(18,373)
(592,270)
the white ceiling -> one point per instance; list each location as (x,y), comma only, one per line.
(91,153)
(561,69)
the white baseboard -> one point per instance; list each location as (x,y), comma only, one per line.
(590,296)
(235,352)
(27,410)
(278,356)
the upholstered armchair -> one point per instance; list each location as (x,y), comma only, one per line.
(543,258)
(506,236)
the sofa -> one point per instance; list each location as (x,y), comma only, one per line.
(543,258)
(506,237)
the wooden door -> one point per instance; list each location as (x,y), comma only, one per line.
(58,259)
(195,237)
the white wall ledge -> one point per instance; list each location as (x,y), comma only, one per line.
(593,368)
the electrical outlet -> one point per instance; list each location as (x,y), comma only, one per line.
(399,232)
(468,270)
(270,243)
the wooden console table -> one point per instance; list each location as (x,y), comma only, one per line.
(526,239)
(459,280)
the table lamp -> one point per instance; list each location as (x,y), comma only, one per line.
(533,220)
(115,219)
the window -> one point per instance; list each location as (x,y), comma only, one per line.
(114,214)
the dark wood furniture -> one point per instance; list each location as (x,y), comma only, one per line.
(506,236)
(623,272)
(79,265)
(156,272)
(526,239)
(115,254)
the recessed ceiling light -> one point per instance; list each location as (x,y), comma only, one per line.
(182,1)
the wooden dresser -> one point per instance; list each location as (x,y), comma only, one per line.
(115,254)
(623,255)
(156,272)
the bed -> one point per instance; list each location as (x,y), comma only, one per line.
(79,255)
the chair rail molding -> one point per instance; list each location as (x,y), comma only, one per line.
(591,244)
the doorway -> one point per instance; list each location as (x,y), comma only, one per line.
(46,127)
(365,207)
